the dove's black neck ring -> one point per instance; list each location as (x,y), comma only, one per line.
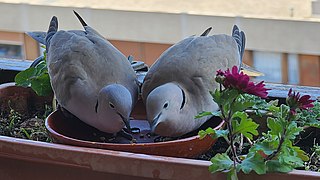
(183,98)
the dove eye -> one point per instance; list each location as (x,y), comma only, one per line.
(165,106)
(111,105)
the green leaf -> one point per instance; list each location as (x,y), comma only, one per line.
(284,111)
(26,133)
(300,153)
(216,96)
(228,95)
(25,77)
(312,123)
(41,68)
(275,126)
(241,106)
(246,101)
(259,103)
(204,133)
(36,77)
(206,113)
(310,117)
(288,156)
(268,147)
(274,109)
(253,162)
(213,133)
(290,160)
(276,166)
(222,133)
(41,85)
(220,162)
(247,127)
(293,130)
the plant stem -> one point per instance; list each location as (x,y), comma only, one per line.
(282,138)
(230,135)
(275,153)
(233,150)
(241,143)
(227,119)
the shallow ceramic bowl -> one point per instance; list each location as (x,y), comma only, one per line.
(74,132)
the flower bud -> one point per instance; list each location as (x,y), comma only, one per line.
(220,79)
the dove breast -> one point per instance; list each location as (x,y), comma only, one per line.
(191,66)
(87,73)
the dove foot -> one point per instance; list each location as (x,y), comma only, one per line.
(123,133)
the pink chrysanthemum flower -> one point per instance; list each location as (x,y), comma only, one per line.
(240,81)
(294,101)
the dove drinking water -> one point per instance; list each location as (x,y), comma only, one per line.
(177,86)
(90,77)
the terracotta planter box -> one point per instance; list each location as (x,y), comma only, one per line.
(25,159)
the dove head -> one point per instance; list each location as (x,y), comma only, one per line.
(165,110)
(113,108)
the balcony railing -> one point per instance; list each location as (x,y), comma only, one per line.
(10,67)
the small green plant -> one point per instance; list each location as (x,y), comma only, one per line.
(27,125)
(36,77)
(272,151)
(14,117)
(314,161)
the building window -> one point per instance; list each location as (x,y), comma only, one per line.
(293,69)
(11,51)
(269,63)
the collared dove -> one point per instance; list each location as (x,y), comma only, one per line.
(177,86)
(90,77)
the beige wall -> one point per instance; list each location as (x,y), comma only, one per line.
(145,35)
(248,8)
(290,36)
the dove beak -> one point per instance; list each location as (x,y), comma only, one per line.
(126,122)
(155,122)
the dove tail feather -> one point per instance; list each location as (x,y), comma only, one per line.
(206,32)
(80,19)
(53,28)
(240,38)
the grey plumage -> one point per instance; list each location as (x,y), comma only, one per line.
(177,86)
(90,77)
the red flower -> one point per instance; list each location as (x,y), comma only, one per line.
(220,73)
(294,101)
(240,81)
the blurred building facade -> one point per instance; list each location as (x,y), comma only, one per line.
(283,36)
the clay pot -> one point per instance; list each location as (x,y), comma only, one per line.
(22,100)
(74,132)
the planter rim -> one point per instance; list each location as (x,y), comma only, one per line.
(99,160)
(7,84)
(123,145)
(105,152)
